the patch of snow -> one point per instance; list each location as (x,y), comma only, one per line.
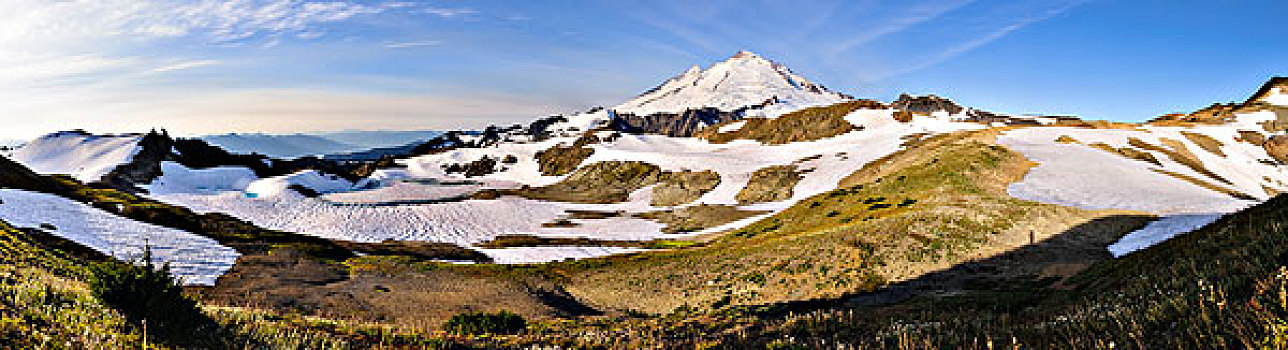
(176,178)
(1277,96)
(196,259)
(383,177)
(536,255)
(1160,230)
(83,156)
(311,179)
(393,192)
(469,222)
(735,161)
(1081,176)
(734,126)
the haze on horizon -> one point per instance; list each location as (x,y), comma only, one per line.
(284,66)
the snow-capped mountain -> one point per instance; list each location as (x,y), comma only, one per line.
(746,79)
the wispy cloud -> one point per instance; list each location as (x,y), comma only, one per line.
(985,38)
(27,69)
(182,66)
(412,44)
(76,21)
(450,12)
(916,14)
(42,40)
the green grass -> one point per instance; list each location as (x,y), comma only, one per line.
(1223,286)
(480,323)
(918,218)
(44,304)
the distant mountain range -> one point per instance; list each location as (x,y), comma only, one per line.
(318,144)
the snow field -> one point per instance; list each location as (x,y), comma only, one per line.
(197,260)
(312,179)
(176,178)
(1081,176)
(85,157)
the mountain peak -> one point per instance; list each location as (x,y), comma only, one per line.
(744,80)
(744,54)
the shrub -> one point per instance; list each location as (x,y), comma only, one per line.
(147,295)
(501,322)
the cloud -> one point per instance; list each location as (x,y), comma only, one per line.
(916,14)
(73,22)
(75,43)
(412,44)
(986,38)
(183,66)
(23,69)
(450,12)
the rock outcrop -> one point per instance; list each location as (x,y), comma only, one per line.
(770,184)
(1277,147)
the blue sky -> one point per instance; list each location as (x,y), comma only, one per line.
(199,66)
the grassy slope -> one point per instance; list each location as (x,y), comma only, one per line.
(44,302)
(1222,286)
(940,203)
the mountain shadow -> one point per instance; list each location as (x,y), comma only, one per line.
(1043,265)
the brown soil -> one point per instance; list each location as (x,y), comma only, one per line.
(1205,142)
(563,159)
(560,160)
(479,167)
(1205,184)
(683,187)
(1178,153)
(417,250)
(770,184)
(805,125)
(1277,148)
(1130,153)
(603,182)
(1215,114)
(560,223)
(613,182)
(392,292)
(1252,137)
(697,218)
(903,116)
